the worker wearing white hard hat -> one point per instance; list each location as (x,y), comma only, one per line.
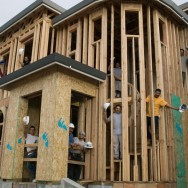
(71,137)
(71,125)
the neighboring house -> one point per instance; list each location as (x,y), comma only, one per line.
(67,81)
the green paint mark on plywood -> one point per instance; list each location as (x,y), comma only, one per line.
(179,147)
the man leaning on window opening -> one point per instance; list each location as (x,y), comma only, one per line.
(25,62)
(158,103)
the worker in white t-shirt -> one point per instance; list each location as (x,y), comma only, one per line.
(31,151)
(117,76)
(77,154)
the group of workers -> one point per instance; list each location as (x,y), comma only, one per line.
(76,144)
(76,153)
(117,121)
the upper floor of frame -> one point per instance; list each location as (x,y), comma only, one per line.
(84,32)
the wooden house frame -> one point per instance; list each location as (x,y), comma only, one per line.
(71,53)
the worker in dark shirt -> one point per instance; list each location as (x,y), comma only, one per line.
(25,62)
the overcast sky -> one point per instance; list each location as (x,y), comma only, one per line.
(9,8)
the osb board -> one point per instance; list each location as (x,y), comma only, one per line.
(46,138)
(78,82)
(60,133)
(10,138)
(19,140)
(178,142)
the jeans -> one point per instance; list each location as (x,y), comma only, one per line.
(74,170)
(149,126)
(32,165)
(117,146)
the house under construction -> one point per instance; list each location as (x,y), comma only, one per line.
(68,79)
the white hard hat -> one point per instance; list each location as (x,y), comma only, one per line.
(71,125)
(26,120)
(183,107)
(88,145)
(21,50)
(106,105)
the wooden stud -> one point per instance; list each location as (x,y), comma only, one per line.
(150,62)
(88,161)
(85,41)
(112,96)
(135,168)
(52,41)
(94,137)
(78,54)
(142,96)
(64,41)
(125,136)
(160,84)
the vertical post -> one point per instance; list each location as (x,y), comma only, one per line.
(150,62)
(112,96)
(94,136)
(85,40)
(52,41)
(134,111)
(64,41)
(78,54)
(88,137)
(160,84)
(142,95)
(125,130)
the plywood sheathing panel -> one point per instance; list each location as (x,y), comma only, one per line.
(7,166)
(47,124)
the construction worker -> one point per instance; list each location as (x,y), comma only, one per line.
(117,118)
(158,102)
(31,151)
(77,154)
(117,76)
(184,62)
(25,62)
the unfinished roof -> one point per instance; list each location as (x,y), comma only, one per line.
(75,9)
(31,8)
(87,3)
(53,59)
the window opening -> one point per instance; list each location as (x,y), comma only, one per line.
(5,66)
(161,25)
(97,29)
(30,152)
(132,23)
(73,40)
(28,49)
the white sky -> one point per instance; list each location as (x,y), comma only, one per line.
(10,8)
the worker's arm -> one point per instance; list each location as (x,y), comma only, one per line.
(25,131)
(109,68)
(20,62)
(105,117)
(172,107)
(117,78)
